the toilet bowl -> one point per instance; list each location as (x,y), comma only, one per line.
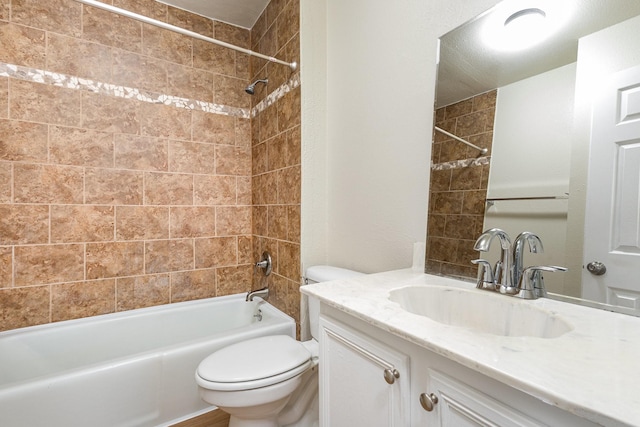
(268,381)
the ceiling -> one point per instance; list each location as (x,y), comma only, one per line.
(468,67)
(243,13)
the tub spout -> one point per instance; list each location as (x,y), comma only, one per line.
(262,293)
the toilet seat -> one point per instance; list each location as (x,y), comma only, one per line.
(254,363)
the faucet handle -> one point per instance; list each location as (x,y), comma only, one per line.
(531,284)
(265,263)
(486,279)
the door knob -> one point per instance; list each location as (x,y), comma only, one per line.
(596,268)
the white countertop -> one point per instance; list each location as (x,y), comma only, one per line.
(591,371)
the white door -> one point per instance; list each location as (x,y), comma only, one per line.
(612,222)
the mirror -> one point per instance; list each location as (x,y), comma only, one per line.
(528,109)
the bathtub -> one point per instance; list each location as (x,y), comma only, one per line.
(134,368)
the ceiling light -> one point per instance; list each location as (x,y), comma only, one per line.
(525,28)
(518,24)
(526,17)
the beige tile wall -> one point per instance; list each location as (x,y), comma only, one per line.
(457,195)
(276,155)
(111,204)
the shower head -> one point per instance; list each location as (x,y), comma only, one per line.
(251,89)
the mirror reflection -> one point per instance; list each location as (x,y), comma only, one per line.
(532,104)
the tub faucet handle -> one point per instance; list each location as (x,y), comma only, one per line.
(265,263)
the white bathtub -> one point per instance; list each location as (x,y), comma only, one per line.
(134,368)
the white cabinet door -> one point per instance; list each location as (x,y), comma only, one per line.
(460,405)
(362,381)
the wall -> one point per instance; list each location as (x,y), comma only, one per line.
(276,141)
(544,151)
(126,159)
(458,189)
(313,41)
(379,76)
(520,139)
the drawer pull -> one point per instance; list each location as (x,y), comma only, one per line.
(428,401)
(390,375)
(390,372)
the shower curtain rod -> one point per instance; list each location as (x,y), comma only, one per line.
(146,20)
(482,150)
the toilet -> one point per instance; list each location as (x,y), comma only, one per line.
(269,381)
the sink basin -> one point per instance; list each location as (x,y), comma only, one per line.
(480,311)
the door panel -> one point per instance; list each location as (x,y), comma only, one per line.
(612,221)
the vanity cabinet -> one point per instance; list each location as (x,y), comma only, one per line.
(363,382)
(462,406)
(468,399)
(369,377)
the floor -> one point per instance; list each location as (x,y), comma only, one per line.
(217,418)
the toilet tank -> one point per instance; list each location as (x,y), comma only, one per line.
(319,274)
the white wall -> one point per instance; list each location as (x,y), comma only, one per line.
(366,145)
(530,158)
(532,136)
(313,71)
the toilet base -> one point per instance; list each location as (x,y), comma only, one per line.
(298,407)
(265,415)
(243,422)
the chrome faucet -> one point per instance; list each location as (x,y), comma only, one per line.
(265,264)
(535,246)
(501,274)
(509,275)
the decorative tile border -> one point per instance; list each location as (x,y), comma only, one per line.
(77,83)
(274,96)
(459,164)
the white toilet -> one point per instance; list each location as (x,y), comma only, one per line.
(269,381)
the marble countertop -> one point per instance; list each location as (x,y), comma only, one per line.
(592,371)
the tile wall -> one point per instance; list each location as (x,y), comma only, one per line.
(126,160)
(275,139)
(459,176)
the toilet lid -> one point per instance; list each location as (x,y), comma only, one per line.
(254,359)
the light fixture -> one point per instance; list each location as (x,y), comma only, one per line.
(525,27)
(526,17)
(518,24)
